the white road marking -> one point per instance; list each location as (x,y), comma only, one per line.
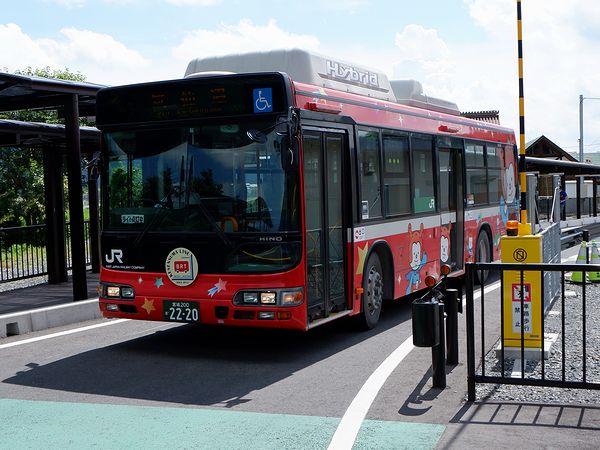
(62,333)
(349,426)
(490,288)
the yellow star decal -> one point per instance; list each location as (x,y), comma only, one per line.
(362,254)
(148,305)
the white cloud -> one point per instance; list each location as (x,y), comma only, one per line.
(99,57)
(23,51)
(560,41)
(240,38)
(95,48)
(560,44)
(493,15)
(418,43)
(423,54)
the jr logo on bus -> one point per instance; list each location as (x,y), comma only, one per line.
(181,266)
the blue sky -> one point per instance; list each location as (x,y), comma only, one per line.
(461,50)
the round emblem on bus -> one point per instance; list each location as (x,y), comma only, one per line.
(181,266)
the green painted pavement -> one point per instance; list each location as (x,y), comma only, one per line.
(26,424)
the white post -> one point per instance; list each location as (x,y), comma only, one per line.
(581,128)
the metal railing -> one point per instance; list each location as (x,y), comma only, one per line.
(23,251)
(551,245)
(566,320)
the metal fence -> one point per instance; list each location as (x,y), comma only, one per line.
(551,245)
(571,361)
(23,251)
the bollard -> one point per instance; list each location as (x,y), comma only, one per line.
(438,356)
(451,305)
(425,323)
(585,235)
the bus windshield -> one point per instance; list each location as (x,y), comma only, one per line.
(207,178)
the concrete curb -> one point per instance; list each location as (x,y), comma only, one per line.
(50,317)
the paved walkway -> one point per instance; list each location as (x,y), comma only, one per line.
(43,295)
(491,424)
(45,306)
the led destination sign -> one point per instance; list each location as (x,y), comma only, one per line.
(192,98)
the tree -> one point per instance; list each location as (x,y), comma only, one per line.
(21,168)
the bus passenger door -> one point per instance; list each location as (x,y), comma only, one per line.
(452,206)
(325,227)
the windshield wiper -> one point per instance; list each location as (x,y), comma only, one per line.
(160,214)
(207,215)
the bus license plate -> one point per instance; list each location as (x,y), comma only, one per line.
(181,311)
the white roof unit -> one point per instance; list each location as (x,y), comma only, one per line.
(304,67)
(318,70)
(410,92)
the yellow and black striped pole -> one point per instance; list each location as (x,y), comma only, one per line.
(522,166)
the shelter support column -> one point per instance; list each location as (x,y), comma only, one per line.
(55,216)
(579,182)
(94,218)
(595,196)
(75,197)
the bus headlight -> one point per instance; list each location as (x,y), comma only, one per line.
(269,298)
(117,291)
(113,291)
(273,297)
(292,298)
(127,292)
(250,298)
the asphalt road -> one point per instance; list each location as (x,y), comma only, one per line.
(131,384)
(306,381)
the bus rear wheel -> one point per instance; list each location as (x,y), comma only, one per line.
(373,292)
(482,255)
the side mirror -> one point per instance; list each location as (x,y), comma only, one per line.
(289,144)
(289,152)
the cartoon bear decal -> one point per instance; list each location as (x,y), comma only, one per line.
(445,243)
(418,258)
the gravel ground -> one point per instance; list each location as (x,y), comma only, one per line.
(19,284)
(553,366)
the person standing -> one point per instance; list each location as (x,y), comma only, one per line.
(563,204)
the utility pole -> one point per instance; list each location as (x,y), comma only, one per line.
(581,128)
(581,99)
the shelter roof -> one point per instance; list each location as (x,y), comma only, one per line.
(18,92)
(569,168)
(15,133)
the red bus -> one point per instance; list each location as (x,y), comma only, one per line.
(285,189)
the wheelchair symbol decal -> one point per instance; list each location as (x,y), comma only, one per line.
(263,100)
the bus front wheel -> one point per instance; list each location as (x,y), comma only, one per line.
(482,255)
(373,292)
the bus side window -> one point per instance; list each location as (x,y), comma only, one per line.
(396,174)
(494,164)
(422,173)
(477,183)
(370,174)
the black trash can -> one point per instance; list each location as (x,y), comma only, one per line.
(426,323)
